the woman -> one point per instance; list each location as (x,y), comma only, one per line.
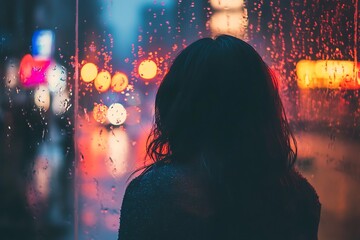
(223,154)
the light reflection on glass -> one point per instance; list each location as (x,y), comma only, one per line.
(118,160)
(12,73)
(42,97)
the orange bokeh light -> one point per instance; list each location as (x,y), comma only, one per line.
(234,23)
(99,113)
(102,81)
(147,69)
(89,72)
(331,74)
(119,82)
(226,4)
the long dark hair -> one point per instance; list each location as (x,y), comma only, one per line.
(219,103)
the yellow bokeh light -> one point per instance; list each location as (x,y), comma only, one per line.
(305,74)
(147,69)
(89,72)
(332,74)
(234,23)
(100,113)
(227,4)
(102,81)
(119,82)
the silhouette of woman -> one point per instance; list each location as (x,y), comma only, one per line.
(223,154)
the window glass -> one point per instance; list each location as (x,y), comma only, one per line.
(79,80)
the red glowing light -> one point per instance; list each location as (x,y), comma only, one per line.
(32,72)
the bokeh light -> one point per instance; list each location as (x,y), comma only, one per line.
(119,82)
(147,69)
(56,77)
(227,4)
(11,74)
(118,149)
(42,97)
(43,171)
(234,23)
(305,74)
(60,102)
(100,113)
(88,72)
(93,147)
(88,216)
(102,81)
(32,72)
(116,114)
(331,74)
(25,68)
(43,44)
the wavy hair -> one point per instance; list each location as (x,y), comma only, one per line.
(220,102)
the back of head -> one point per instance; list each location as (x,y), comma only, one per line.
(220,100)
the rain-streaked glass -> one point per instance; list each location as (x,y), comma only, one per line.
(79,80)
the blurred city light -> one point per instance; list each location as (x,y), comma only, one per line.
(332,74)
(147,69)
(89,72)
(43,44)
(88,216)
(56,77)
(233,23)
(100,113)
(226,4)
(118,163)
(12,73)
(102,81)
(42,175)
(93,146)
(119,82)
(60,102)
(32,72)
(306,74)
(116,114)
(42,97)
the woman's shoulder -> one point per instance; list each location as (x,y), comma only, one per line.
(301,184)
(162,177)
(179,185)
(157,174)
(301,192)
(145,193)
